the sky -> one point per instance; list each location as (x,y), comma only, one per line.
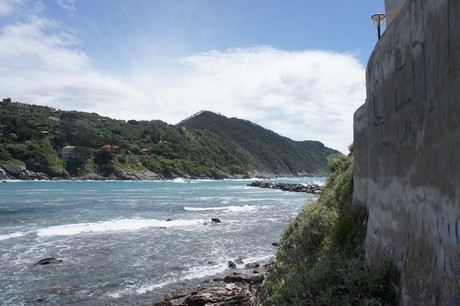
(296,67)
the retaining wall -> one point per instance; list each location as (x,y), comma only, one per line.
(407,151)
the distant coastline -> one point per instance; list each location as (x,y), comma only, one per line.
(12,171)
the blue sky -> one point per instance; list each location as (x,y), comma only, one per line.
(293,66)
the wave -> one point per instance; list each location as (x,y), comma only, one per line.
(12,235)
(194,273)
(245,208)
(113,226)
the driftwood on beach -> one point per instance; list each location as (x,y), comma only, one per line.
(315,189)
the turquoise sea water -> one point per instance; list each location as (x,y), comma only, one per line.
(115,241)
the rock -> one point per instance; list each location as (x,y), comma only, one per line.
(236,279)
(219,294)
(216,220)
(252,265)
(239,260)
(231,265)
(13,169)
(234,289)
(48,261)
(239,278)
(287,187)
(3,175)
(213,294)
(141,175)
(257,278)
(37,176)
(169,219)
(212,263)
(276,243)
(91,176)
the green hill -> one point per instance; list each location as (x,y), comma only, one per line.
(273,153)
(42,142)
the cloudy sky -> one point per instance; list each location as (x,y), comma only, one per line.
(296,67)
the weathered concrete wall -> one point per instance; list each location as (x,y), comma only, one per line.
(392,8)
(407,151)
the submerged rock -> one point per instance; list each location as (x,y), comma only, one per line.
(216,220)
(48,261)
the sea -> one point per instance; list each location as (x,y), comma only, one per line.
(131,242)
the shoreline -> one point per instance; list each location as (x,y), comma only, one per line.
(11,171)
(234,286)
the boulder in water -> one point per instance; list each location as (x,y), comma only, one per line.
(48,261)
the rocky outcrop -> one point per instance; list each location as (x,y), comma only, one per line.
(315,189)
(3,175)
(213,294)
(20,172)
(15,171)
(233,289)
(143,175)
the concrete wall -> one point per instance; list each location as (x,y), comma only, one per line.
(407,151)
(392,8)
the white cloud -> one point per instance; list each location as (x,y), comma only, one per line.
(301,94)
(7,6)
(67,4)
(42,65)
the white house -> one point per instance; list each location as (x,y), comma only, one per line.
(69,153)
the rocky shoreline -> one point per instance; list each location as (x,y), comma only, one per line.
(236,287)
(13,171)
(315,189)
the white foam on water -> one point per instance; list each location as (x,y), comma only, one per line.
(113,226)
(12,235)
(245,208)
(193,273)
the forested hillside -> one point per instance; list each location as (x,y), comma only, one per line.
(275,153)
(42,142)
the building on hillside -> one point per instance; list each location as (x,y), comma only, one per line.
(22,109)
(69,153)
(111,149)
(3,128)
(392,8)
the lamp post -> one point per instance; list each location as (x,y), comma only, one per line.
(378,20)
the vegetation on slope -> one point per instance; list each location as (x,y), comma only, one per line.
(276,154)
(320,260)
(223,148)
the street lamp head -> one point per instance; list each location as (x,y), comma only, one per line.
(378,19)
